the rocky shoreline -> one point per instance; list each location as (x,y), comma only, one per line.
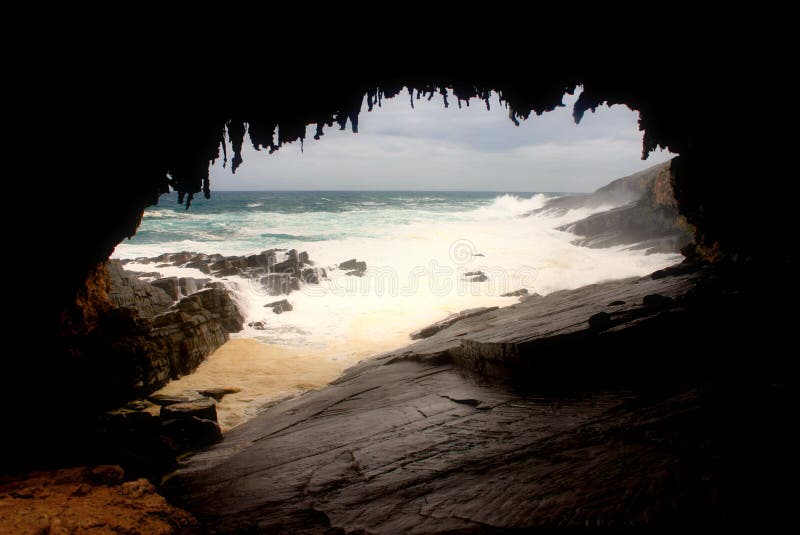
(558,407)
(591,387)
(645,216)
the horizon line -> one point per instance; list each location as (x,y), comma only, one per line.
(375,191)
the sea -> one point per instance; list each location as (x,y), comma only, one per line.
(419,248)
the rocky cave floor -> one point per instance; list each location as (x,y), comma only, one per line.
(650,401)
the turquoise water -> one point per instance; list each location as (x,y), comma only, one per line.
(241,222)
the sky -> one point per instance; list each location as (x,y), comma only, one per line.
(434,148)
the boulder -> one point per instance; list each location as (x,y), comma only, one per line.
(353,265)
(516,293)
(310,275)
(203,408)
(220,265)
(179,259)
(202,265)
(191,432)
(475,276)
(281,306)
(257,325)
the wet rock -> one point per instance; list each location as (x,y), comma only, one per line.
(202,265)
(430,330)
(303,257)
(220,265)
(616,303)
(171,285)
(188,285)
(218,393)
(355,273)
(475,276)
(127,291)
(277,283)
(179,259)
(600,321)
(310,275)
(204,408)
(281,306)
(516,293)
(146,275)
(189,433)
(353,265)
(673,271)
(258,325)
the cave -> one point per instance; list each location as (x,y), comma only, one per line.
(718,364)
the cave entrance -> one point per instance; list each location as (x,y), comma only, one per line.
(341,249)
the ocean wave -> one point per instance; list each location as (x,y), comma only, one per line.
(508,205)
(255,204)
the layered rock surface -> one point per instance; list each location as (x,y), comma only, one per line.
(155,334)
(598,422)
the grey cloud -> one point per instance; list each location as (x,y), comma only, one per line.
(431,147)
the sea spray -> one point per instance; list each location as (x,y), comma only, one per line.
(419,248)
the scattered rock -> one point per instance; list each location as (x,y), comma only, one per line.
(475,276)
(258,325)
(516,293)
(353,265)
(281,306)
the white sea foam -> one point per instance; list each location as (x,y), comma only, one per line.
(416,260)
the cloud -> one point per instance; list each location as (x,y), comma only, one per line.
(432,147)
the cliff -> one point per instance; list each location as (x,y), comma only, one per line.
(645,213)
